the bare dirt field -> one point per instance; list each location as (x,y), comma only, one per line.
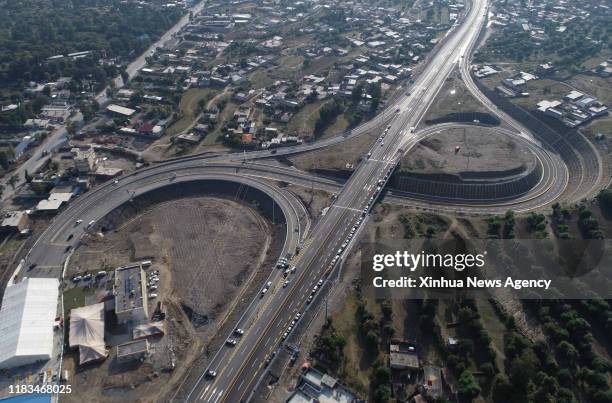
(480,150)
(195,240)
(209,251)
(453,97)
(338,156)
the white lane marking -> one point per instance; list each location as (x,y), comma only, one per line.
(212,394)
(347,208)
(219,396)
(203,393)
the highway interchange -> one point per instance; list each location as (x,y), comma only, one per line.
(239,368)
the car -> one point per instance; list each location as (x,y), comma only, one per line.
(382,143)
(77,279)
(70,237)
(31,266)
(153,288)
(285,284)
(289,329)
(263,292)
(238,332)
(269,284)
(397,110)
(293,322)
(388,127)
(293,269)
(101,273)
(231,342)
(320,282)
(152,295)
(344,245)
(87,276)
(286,272)
(309,300)
(285,335)
(68,248)
(77,222)
(380,139)
(315,288)
(270,358)
(298,315)
(211,374)
(369,155)
(115,181)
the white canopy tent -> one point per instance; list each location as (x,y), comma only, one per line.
(87,332)
(26,322)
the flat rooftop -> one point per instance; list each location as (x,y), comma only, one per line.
(321,388)
(133,347)
(403,355)
(128,288)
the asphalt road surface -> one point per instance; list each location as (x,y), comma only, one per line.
(240,367)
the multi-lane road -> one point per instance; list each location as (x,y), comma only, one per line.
(239,368)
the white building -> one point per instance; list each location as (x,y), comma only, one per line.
(26,322)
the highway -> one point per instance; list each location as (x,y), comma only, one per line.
(50,249)
(239,368)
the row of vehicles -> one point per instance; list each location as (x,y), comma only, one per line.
(88,276)
(152,283)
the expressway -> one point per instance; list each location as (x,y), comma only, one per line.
(64,234)
(239,368)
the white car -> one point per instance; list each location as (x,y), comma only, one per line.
(320,282)
(285,335)
(77,279)
(285,284)
(152,295)
(153,288)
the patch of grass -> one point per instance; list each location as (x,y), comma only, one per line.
(75,297)
(214,137)
(189,108)
(304,120)
(339,125)
(495,328)
(260,79)
(354,373)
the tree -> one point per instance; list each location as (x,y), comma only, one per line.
(605,199)
(12,181)
(468,387)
